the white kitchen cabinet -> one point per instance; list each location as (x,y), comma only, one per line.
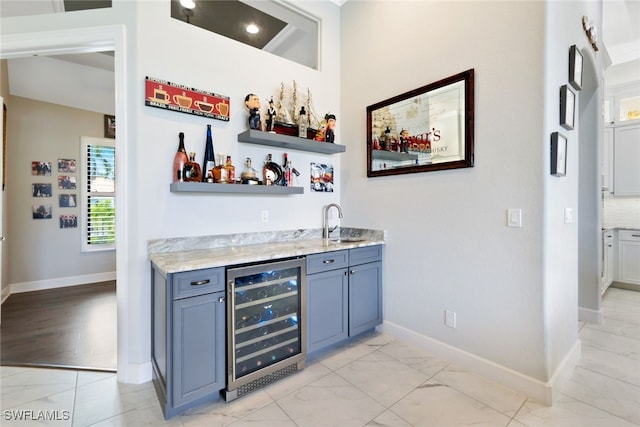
(629,256)
(606,168)
(626,162)
(607,260)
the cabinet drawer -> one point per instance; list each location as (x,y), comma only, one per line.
(632,235)
(327,261)
(198,282)
(365,255)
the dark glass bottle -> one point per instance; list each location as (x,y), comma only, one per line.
(209,161)
(192,171)
(179,160)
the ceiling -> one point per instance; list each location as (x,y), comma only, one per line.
(620,34)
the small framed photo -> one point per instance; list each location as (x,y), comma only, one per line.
(567,107)
(558,154)
(109,126)
(322,177)
(41,211)
(575,67)
(67,200)
(40,168)
(41,190)
(66,182)
(68,221)
(67,165)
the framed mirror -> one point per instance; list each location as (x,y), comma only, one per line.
(426,129)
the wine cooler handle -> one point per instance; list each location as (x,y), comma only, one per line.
(221,300)
(200,282)
(329,261)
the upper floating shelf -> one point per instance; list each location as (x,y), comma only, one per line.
(253,136)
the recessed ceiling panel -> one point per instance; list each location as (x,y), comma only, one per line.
(282,30)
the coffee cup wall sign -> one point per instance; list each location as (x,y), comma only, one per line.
(184,99)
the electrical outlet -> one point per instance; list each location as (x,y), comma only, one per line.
(264,216)
(450,318)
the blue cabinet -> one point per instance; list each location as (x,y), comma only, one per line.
(344,295)
(188,337)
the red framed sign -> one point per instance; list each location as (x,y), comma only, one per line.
(184,99)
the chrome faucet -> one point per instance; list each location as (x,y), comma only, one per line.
(325,219)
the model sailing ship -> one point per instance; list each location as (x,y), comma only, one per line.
(287,118)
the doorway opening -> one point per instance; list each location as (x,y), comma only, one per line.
(89,40)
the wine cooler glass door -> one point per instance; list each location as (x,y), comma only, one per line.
(265,319)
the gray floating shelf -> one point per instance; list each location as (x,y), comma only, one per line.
(392,155)
(253,136)
(205,187)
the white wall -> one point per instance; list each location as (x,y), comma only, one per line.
(571,250)
(514,289)
(39,250)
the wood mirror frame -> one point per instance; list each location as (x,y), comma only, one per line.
(426,129)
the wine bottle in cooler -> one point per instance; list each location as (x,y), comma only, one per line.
(179,160)
(209,161)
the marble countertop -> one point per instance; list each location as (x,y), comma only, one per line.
(195,253)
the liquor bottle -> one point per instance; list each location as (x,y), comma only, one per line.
(288,175)
(248,175)
(192,171)
(302,123)
(219,171)
(209,161)
(267,173)
(231,171)
(179,160)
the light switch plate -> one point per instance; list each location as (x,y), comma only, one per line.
(568,215)
(514,217)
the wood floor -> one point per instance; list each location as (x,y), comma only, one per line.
(72,327)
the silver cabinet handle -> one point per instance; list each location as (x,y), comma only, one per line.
(221,300)
(1,238)
(200,282)
(352,272)
(328,261)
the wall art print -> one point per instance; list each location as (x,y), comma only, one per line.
(322,177)
(184,99)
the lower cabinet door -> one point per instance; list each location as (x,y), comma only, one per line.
(365,297)
(198,347)
(327,308)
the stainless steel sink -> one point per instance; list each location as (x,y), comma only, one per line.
(347,240)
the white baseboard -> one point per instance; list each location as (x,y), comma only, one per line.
(61,282)
(536,389)
(590,315)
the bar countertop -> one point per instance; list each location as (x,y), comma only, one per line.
(175,255)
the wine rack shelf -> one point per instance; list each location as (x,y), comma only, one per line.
(206,187)
(253,136)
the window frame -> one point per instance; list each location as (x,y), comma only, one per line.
(85,142)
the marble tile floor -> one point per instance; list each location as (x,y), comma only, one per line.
(377,381)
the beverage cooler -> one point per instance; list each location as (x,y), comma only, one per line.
(265,324)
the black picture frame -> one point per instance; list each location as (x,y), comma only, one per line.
(575,67)
(109,126)
(558,154)
(567,107)
(430,128)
